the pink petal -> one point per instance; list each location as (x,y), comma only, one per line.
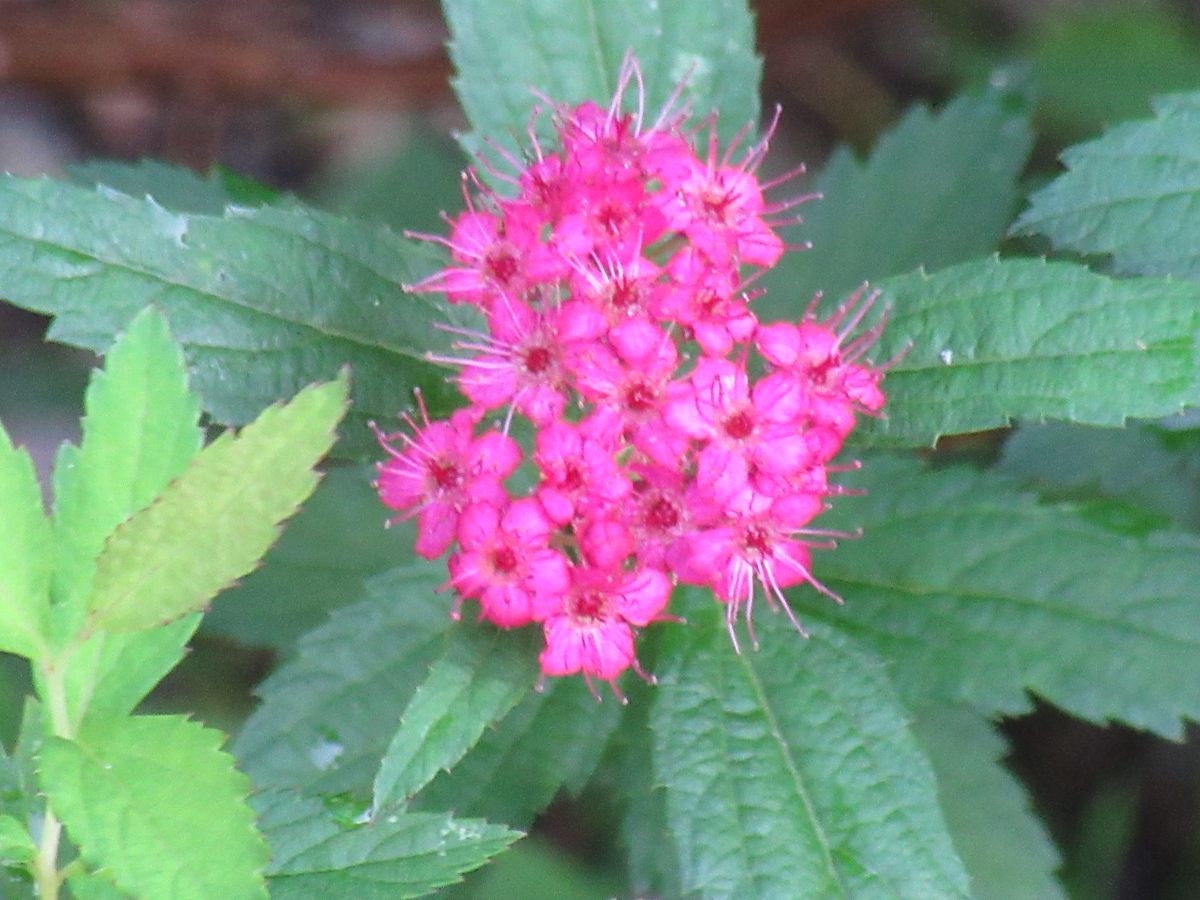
(477,525)
(563,654)
(643,596)
(505,605)
(435,530)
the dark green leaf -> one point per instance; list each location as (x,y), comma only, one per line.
(1066,344)
(328,715)
(789,770)
(1003,845)
(386,191)
(264,301)
(1133,193)
(651,860)
(154,802)
(1134,464)
(396,856)
(976,593)
(572,51)
(552,740)
(939,188)
(480,677)
(1102,64)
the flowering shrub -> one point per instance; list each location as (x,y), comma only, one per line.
(648,418)
(620,249)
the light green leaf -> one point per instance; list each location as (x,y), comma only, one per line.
(481,675)
(1067,344)
(551,741)
(1003,845)
(572,51)
(264,301)
(26,554)
(172,187)
(139,433)
(111,673)
(154,802)
(938,188)
(328,715)
(397,856)
(327,551)
(216,521)
(789,771)
(16,844)
(1133,193)
(976,593)
(92,886)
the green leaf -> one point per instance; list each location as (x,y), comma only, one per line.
(572,51)
(551,741)
(265,301)
(397,856)
(789,771)
(93,886)
(154,802)
(110,673)
(384,190)
(1132,193)
(26,554)
(1006,850)
(481,675)
(1135,464)
(976,593)
(172,187)
(938,188)
(16,844)
(538,869)
(1073,345)
(651,859)
(140,432)
(215,522)
(328,715)
(1102,64)
(326,553)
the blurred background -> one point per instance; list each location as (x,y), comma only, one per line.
(348,105)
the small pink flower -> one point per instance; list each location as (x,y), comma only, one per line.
(497,254)
(757,545)
(592,632)
(518,363)
(438,470)
(742,426)
(506,563)
(580,476)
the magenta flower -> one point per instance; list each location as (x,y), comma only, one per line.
(592,632)
(674,437)
(439,470)
(507,564)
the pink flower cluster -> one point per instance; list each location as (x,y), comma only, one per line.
(676,438)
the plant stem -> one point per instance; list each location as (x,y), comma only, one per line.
(46,874)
